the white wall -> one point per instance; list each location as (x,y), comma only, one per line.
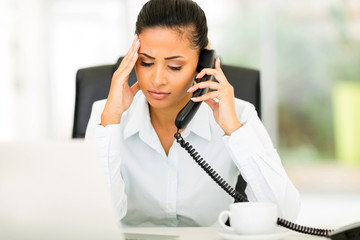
(24,67)
(82,34)
(45,42)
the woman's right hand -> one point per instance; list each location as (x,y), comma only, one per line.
(121,95)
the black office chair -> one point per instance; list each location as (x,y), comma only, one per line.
(93,84)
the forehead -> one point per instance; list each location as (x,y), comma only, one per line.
(165,42)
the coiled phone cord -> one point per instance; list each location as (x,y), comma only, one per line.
(238,196)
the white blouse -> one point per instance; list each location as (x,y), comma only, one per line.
(150,188)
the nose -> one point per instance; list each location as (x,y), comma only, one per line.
(158,77)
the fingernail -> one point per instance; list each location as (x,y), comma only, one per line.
(189,90)
(197,76)
(135,54)
(193,98)
(218,59)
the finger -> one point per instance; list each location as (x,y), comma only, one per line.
(135,40)
(217,64)
(207,84)
(131,49)
(134,47)
(132,61)
(121,75)
(219,75)
(123,72)
(212,103)
(129,55)
(128,64)
(135,88)
(209,95)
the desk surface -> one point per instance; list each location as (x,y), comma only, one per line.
(195,233)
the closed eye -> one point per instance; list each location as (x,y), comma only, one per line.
(175,68)
(145,64)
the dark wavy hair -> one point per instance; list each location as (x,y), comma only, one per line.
(184,16)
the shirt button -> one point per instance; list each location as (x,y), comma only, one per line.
(170,206)
(172,174)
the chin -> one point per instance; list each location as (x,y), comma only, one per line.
(155,103)
(168,102)
(158,103)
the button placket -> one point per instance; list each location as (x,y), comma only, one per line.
(172,184)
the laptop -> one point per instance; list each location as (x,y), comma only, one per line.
(54,191)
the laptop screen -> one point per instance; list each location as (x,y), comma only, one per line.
(54,190)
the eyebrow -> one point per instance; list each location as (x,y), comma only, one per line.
(167,58)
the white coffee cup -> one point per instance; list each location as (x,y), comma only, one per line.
(249,218)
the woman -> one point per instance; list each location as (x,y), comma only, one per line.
(152,179)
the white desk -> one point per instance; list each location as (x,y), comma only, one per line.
(199,233)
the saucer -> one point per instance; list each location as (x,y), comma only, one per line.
(230,235)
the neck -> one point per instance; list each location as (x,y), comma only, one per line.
(165,117)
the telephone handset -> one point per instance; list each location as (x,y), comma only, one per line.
(206,60)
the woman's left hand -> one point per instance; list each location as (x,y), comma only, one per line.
(224,108)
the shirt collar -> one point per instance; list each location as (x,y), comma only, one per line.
(139,119)
(200,124)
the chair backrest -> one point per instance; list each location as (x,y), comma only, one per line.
(93,84)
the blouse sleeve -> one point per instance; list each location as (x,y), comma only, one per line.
(259,163)
(107,142)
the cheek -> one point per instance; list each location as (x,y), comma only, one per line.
(187,80)
(189,83)
(181,85)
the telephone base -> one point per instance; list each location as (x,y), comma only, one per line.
(348,232)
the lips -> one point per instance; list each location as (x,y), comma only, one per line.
(158,95)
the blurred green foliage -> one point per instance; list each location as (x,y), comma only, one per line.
(315,49)
(304,89)
(346,19)
(313,55)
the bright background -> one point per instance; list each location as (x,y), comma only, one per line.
(304,50)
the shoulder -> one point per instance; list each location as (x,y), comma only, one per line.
(98,106)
